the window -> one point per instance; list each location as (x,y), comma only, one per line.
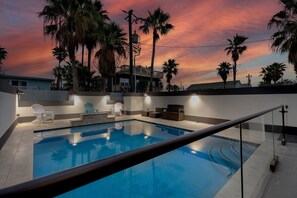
(15,83)
(23,83)
(19,84)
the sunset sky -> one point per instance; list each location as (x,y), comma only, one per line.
(201,29)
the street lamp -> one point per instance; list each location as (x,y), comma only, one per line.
(132,39)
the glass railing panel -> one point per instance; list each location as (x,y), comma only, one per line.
(260,133)
(205,168)
(227,156)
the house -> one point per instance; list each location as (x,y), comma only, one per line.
(215,85)
(122,78)
(27,83)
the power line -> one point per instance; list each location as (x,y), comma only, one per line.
(205,46)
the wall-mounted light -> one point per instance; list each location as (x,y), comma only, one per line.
(194,100)
(19,92)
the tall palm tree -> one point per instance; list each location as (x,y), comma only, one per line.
(60,53)
(100,17)
(66,21)
(112,45)
(92,32)
(3,55)
(223,71)
(236,48)
(158,22)
(170,68)
(285,39)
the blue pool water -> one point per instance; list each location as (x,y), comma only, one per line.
(199,169)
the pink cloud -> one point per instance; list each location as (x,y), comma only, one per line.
(196,23)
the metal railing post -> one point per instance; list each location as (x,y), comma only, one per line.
(241,160)
(283,127)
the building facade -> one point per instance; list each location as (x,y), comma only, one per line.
(27,83)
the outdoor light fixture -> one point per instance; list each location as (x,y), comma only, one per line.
(19,92)
(135,38)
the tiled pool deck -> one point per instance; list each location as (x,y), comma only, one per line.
(16,160)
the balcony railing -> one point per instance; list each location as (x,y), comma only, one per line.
(141,71)
(27,87)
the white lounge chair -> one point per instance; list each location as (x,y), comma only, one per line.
(41,114)
(117,110)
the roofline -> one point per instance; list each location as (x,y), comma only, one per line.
(211,83)
(26,77)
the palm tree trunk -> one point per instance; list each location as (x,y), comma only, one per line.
(59,76)
(89,65)
(89,59)
(234,73)
(74,74)
(103,84)
(82,53)
(152,62)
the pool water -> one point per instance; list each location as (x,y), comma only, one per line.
(199,169)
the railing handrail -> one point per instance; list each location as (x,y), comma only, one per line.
(61,182)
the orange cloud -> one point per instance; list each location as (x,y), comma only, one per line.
(196,24)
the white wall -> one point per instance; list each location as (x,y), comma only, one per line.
(99,102)
(228,106)
(133,103)
(7,111)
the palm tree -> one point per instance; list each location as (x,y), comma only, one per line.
(158,22)
(273,72)
(285,39)
(223,71)
(57,71)
(170,68)
(91,36)
(276,70)
(266,75)
(112,45)
(235,48)
(100,17)
(60,53)
(3,55)
(66,21)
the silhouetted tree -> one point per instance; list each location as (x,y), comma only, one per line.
(223,71)
(236,48)
(170,69)
(285,39)
(158,22)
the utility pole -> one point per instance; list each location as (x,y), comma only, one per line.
(130,13)
(249,80)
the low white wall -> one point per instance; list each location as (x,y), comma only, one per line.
(228,106)
(99,102)
(7,111)
(133,103)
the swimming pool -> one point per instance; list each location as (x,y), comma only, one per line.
(199,169)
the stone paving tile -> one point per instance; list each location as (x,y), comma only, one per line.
(282,183)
